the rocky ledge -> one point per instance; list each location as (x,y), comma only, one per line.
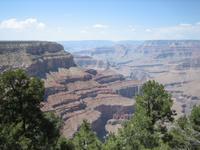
(37,57)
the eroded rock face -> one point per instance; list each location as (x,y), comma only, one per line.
(91,71)
(129,91)
(31,47)
(174,63)
(168,49)
(45,65)
(109,78)
(38,58)
(88,99)
(189,63)
(89,62)
(73,93)
(109,112)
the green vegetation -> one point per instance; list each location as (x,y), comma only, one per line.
(153,126)
(85,139)
(23,126)
(148,125)
(186,134)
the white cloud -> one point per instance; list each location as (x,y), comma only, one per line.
(180,31)
(13,23)
(198,23)
(100,26)
(94,29)
(185,24)
(30,30)
(148,30)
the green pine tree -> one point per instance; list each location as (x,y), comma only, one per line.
(85,138)
(22,124)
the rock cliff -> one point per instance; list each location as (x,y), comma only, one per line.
(37,57)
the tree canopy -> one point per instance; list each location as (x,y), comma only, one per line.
(22,124)
(85,138)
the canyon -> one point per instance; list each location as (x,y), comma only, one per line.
(71,92)
(98,80)
(174,63)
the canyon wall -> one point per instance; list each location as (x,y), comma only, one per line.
(38,58)
(73,93)
(166,61)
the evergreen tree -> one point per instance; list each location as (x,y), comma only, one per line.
(85,139)
(195,118)
(22,124)
(185,134)
(156,101)
(147,127)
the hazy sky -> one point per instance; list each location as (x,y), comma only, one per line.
(99,19)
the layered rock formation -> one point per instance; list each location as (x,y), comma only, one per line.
(174,63)
(89,62)
(72,93)
(38,58)
(168,49)
(79,99)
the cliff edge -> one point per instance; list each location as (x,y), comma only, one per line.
(37,57)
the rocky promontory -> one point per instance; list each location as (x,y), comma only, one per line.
(37,57)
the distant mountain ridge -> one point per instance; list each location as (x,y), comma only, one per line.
(75,46)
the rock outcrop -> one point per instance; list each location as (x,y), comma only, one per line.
(38,58)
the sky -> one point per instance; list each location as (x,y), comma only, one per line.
(58,20)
